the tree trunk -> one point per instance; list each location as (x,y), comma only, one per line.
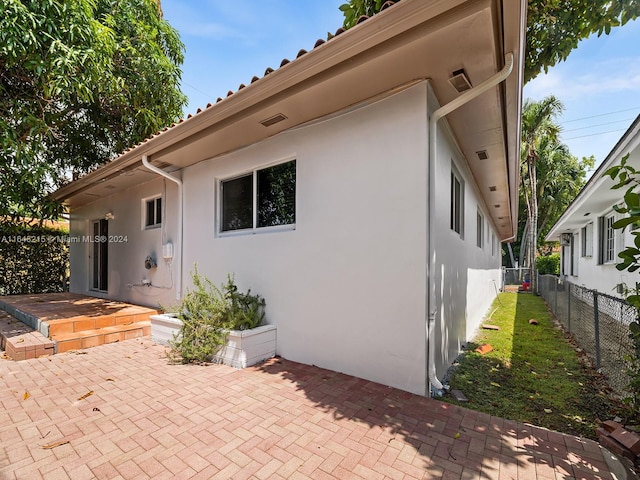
(533,223)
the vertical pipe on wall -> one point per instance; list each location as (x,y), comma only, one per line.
(178,182)
(431,310)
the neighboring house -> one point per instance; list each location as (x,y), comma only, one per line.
(590,244)
(372,231)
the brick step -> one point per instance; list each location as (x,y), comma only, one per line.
(21,342)
(99,336)
(81,323)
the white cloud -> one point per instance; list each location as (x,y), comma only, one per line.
(572,82)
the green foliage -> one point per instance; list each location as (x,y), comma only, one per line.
(208,313)
(633,369)
(548,265)
(33,260)
(80,81)
(627,176)
(554,27)
(533,374)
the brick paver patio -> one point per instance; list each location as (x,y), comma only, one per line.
(148,419)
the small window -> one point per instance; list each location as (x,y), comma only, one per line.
(587,240)
(152,212)
(260,199)
(457,203)
(480,230)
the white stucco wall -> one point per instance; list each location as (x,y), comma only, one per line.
(347,287)
(587,272)
(468,277)
(128,247)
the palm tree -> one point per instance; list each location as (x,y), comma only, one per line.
(539,130)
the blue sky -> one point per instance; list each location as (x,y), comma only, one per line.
(227,43)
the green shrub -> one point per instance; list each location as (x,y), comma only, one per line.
(33,260)
(548,265)
(207,314)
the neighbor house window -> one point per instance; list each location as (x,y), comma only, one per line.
(152,212)
(587,240)
(457,203)
(607,239)
(263,198)
(480,230)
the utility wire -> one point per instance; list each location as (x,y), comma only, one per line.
(595,134)
(597,125)
(599,115)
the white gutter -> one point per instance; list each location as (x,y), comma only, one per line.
(179,249)
(432,309)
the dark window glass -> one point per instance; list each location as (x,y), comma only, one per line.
(158,211)
(150,213)
(237,203)
(277,195)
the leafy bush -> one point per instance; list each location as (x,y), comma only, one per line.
(548,265)
(33,260)
(207,314)
(628,177)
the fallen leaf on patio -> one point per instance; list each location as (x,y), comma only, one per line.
(54,445)
(20,340)
(88,394)
(547,410)
(5,357)
(26,395)
(110,379)
(96,409)
(457,435)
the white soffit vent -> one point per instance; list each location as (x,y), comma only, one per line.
(278,117)
(460,81)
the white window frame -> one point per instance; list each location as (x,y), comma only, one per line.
(586,240)
(145,219)
(480,229)
(456,206)
(255,228)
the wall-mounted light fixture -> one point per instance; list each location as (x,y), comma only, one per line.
(109,216)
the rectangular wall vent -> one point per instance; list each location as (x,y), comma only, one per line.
(482,155)
(279,117)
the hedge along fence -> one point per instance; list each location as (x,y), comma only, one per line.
(33,260)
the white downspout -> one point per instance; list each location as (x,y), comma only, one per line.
(432,310)
(180,250)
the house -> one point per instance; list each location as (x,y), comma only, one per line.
(363,189)
(590,244)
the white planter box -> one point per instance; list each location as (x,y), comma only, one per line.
(243,349)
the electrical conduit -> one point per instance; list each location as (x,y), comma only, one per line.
(178,182)
(433,381)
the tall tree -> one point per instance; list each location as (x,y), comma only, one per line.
(554,27)
(80,81)
(540,135)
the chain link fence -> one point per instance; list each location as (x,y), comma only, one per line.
(515,277)
(598,322)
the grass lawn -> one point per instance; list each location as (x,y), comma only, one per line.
(533,374)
